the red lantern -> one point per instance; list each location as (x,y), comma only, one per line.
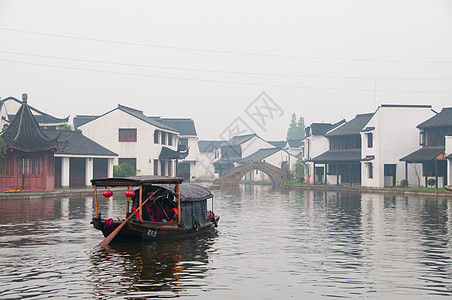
(107,194)
(129,194)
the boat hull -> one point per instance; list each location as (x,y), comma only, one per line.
(148,231)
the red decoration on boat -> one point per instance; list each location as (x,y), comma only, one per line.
(129,194)
(107,194)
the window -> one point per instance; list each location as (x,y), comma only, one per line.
(8,167)
(421,138)
(170,139)
(156,167)
(37,166)
(25,166)
(156,136)
(128,135)
(370,140)
(370,170)
(162,168)
(163,137)
(170,169)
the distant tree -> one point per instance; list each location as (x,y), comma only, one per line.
(431,182)
(296,129)
(66,127)
(123,170)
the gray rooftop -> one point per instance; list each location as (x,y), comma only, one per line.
(443,119)
(259,155)
(78,144)
(338,156)
(352,127)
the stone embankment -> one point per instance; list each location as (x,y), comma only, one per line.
(397,191)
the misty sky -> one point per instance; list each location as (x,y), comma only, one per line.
(212,60)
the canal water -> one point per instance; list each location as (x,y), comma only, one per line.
(270,244)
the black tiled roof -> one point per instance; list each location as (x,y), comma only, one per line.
(79,120)
(278,144)
(239,139)
(294,143)
(41,117)
(24,133)
(140,115)
(78,144)
(183,126)
(155,121)
(424,154)
(208,146)
(259,155)
(443,119)
(352,127)
(338,156)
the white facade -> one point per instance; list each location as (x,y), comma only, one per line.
(314,145)
(393,134)
(276,159)
(105,131)
(253,145)
(193,155)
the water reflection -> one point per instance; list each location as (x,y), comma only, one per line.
(274,244)
(162,270)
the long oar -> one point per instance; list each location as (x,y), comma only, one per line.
(112,235)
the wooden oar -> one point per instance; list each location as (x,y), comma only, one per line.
(112,235)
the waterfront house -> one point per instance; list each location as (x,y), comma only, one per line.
(435,153)
(148,144)
(389,135)
(188,143)
(314,144)
(341,164)
(79,161)
(237,148)
(209,151)
(29,164)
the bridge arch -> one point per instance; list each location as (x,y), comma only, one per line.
(233,176)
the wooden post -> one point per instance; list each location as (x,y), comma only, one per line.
(436,172)
(178,203)
(140,202)
(127,205)
(406,170)
(95,201)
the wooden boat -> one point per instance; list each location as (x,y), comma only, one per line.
(169,208)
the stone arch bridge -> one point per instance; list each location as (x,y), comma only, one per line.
(233,176)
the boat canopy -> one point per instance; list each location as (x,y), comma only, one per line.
(188,192)
(136,181)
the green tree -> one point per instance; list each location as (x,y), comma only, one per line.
(66,127)
(299,172)
(296,129)
(123,170)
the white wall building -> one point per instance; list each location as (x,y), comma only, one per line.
(315,143)
(208,153)
(237,148)
(137,139)
(388,136)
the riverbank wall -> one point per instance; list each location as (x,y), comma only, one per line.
(395,191)
(89,191)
